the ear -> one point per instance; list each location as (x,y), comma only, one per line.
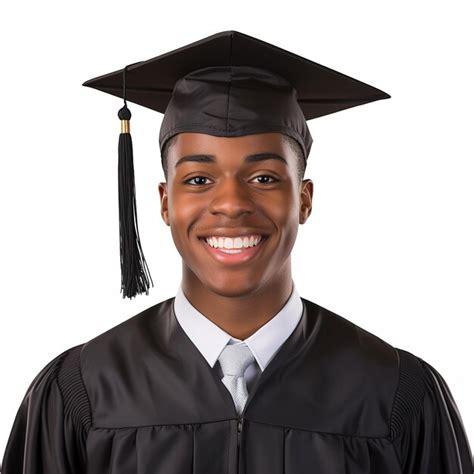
(163,189)
(306,200)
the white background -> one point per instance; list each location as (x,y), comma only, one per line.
(389,244)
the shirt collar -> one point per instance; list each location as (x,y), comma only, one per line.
(210,339)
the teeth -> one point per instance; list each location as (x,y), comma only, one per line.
(234,243)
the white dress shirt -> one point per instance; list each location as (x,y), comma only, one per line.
(210,339)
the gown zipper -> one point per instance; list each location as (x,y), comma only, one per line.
(239,429)
(240,421)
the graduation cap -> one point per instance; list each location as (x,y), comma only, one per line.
(228,84)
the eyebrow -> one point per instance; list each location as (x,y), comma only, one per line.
(248,159)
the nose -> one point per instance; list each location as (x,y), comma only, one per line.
(231,198)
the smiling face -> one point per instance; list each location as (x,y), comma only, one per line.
(240,193)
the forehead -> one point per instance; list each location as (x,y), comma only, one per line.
(187,143)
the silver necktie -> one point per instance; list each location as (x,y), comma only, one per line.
(234,360)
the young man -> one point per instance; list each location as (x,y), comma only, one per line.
(237,373)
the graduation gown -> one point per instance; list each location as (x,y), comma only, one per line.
(141,399)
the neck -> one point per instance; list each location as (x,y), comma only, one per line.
(243,314)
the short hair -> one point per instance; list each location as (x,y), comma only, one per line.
(298,151)
(295,146)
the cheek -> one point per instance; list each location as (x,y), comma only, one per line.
(183,212)
(284,211)
(285,215)
(181,207)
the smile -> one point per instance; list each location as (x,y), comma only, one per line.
(233,249)
(234,243)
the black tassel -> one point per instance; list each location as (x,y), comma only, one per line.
(135,274)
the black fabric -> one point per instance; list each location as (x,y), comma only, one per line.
(232,84)
(140,398)
(232,101)
(50,429)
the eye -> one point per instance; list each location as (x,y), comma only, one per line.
(200,180)
(266,180)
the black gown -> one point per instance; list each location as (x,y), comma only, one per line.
(141,399)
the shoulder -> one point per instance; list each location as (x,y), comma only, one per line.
(56,370)
(348,340)
(70,373)
(134,334)
(427,429)
(421,388)
(63,374)
(391,379)
(58,386)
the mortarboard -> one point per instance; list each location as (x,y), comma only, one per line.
(228,84)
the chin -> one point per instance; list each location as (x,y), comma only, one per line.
(232,287)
